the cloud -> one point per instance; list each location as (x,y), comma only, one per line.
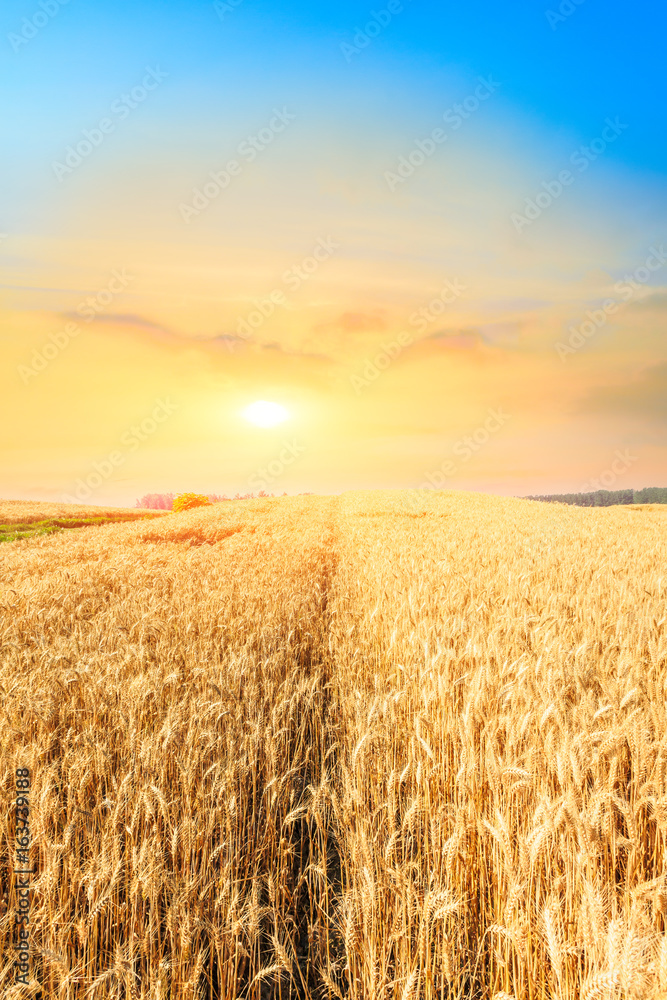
(643,396)
(504,334)
(516,305)
(464,340)
(501,334)
(126,319)
(294,352)
(651,298)
(355,322)
(134,320)
(231,343)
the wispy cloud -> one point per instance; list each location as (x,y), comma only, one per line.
(643,396)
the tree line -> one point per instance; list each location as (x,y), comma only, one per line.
(608,498)
(165,501)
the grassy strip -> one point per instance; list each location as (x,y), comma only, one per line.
(14,532)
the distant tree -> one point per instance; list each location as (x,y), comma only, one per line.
(607,498)
(157,501)
(165,501)
(651,494)
(188,501)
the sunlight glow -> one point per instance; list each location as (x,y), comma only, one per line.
(265,414)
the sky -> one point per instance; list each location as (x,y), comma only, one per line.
(435,235)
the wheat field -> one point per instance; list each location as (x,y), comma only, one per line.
(378,745)
(29,511)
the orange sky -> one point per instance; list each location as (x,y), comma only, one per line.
(394,321)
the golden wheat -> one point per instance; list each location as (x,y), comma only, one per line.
(369,746)
(29,511)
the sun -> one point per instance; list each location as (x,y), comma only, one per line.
(265,414)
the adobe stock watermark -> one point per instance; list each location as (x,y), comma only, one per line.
(597,318)
(623,461)
(425,148)
(88,309)
(121,108)
(377,22)
(421,318)
(31,26)
(463,449)
(565,9)
(248,149)
(262,478)
(580,158)
(292,278)
(132,439)
(224,7)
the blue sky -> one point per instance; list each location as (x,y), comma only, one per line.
(600,60)
(563,70)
